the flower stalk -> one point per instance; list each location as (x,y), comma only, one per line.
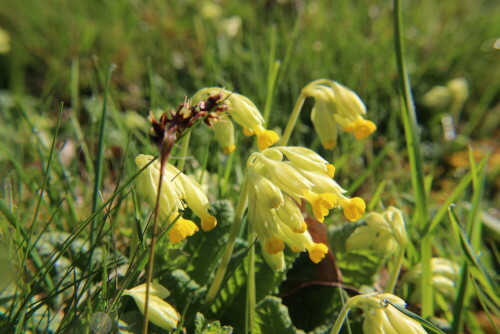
(228,251)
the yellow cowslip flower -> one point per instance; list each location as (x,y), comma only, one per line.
(383,318)
(182,229)
(335,104)
(453,95)
(383,233)
(444,274)
(279,179)
(160,313)
(224,133)
(177,188)
(244,112)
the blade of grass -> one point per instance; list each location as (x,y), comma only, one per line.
(459,190)
(273,70)
(410,124)
(480,297)
(100,155)
(360,180)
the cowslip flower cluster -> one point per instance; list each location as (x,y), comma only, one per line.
(277,186)
(177,190)
(335,104)
(381,317)
(244,112)
(455,93)
(383,233)
(444,275)
(161,313)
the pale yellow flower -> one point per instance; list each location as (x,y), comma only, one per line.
(244,112)
(224,132)
(279,179)
(444,274)
(383,318)
(161,313)
(177,189)
(384,233)
(336,105)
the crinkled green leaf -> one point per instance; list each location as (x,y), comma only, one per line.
(185,292)
(202,326)
(271,317)
(358,267)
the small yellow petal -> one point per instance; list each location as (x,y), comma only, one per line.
(248,132)
(266,139)
(182,229)
(362,128)
(353,208)
(330,144)
(302,229)
(208,222)
(229,149)
(317,252)
(321,203)
(330,170)
(274,245)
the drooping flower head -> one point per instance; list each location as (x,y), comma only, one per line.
(161,313)
(383,233)
(279,179)
(335,104)
(177,190)
(444,274)
(244,112)
(381,317)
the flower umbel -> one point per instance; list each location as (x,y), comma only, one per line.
(335,104)
(161,313)
(244,112)
(281,177)
(444,275)
(177,189)
(381,317)
(383,233)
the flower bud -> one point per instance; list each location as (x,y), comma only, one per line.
(224,132)
(161,313)
(383,318)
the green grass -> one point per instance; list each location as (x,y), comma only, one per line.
(74,235)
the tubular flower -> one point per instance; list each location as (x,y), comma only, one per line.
(224,132)
(279,178)
(244,112)
(383,233)
(334,105)
(381,317)
(444,275)
(161,313)
(177,189)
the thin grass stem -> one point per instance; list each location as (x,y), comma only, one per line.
(410,124)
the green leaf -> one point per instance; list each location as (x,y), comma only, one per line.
(185,292)
(207,247)
(272,317)
(235,283)
(202,326)
(358,267)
